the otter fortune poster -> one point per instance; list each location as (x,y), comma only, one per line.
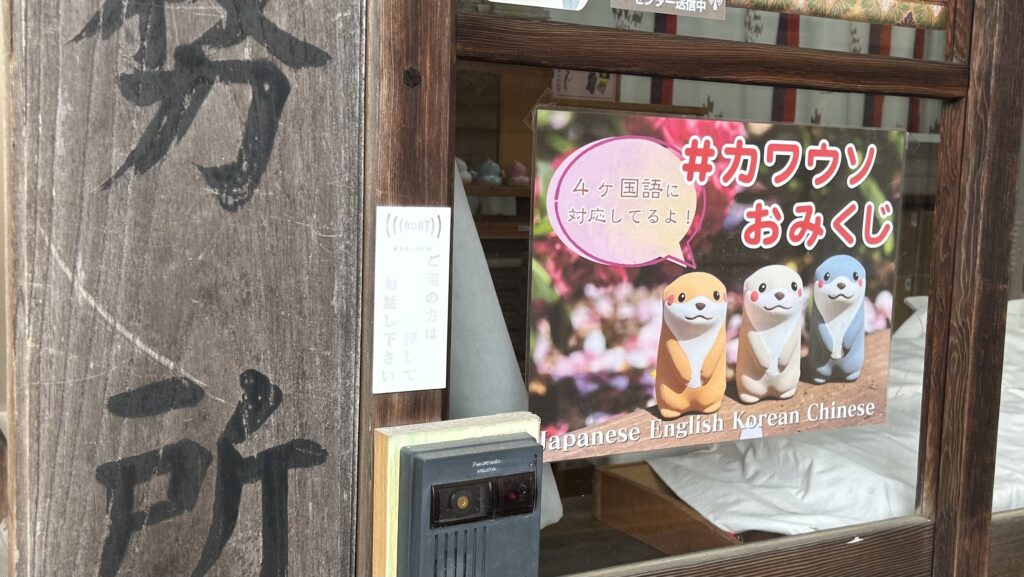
(698,281)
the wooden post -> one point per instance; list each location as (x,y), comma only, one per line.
(947,204)
(410,63)
(186,201)
(987,184)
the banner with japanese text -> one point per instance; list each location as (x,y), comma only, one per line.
(698,281)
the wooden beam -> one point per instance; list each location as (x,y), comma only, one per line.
(941,272)
(185,336)
(410,68)
(993,115)
(898,547)
(1006,547)
(577,47)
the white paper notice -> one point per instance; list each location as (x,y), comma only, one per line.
(410,298)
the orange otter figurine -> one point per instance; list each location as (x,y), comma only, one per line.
(690,374)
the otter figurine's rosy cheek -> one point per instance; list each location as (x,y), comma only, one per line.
(690,373)
(768,364)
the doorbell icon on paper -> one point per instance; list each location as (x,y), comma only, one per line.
(575,5)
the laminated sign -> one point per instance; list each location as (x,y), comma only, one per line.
(698,281)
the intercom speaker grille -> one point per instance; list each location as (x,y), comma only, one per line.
(460,553)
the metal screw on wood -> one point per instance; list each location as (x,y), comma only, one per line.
(412,77)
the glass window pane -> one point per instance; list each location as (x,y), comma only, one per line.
(607,511)
(886,37)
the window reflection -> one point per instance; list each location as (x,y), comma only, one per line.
(637,507)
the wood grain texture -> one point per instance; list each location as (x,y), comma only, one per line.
(634,500)
(977,321)
(1006,547)
(576,47)
(943,257)
(869,388)
(153,279)
(901,547)
(410,69)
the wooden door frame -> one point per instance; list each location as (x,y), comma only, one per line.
(409,119)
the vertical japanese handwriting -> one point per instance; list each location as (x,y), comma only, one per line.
(185,462)
(181,91)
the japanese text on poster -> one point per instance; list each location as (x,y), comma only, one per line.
(699,281)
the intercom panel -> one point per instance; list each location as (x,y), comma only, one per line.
(470,508)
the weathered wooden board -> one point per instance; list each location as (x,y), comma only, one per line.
(992,116)
(190,281)
(408,133)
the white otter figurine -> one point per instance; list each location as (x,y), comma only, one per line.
(768,365)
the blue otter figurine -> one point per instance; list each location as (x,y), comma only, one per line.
(837,321)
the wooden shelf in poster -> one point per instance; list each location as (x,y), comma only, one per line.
(865,389)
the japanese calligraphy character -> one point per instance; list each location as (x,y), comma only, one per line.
(651,188)
(830,155)
(270,468)
(874,239)
(629,188)
(744,162)
(615,220)
(808,228)
(156,398)
(152,27)
(577,215)
(185,464)
(245,19)
(790,148)
(763,228)
(672,191)
(671,218)
(597,215)
(605,187)
(182,92)
(861,172)
(636,216)
(432,298)
(838,224)
(653,216)
(698,160)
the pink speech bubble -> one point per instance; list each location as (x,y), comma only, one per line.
(594,211)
